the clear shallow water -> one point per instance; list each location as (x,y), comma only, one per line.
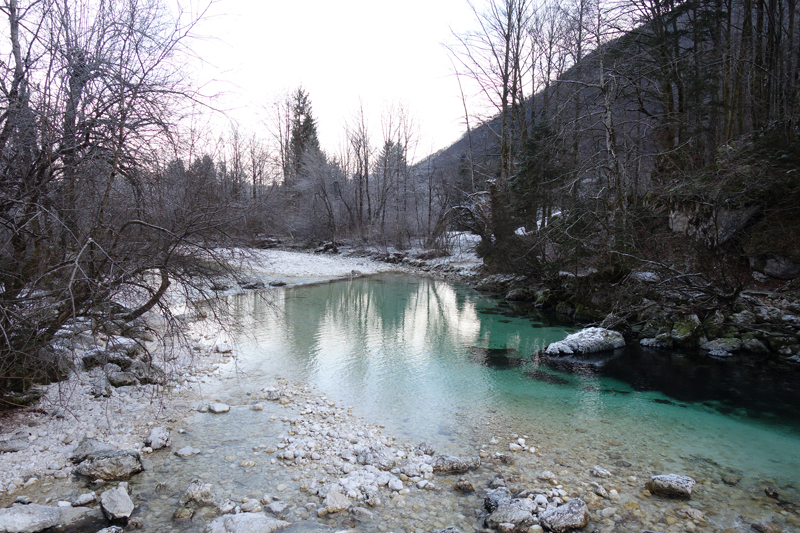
(432,361)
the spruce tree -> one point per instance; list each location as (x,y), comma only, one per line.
(302,137)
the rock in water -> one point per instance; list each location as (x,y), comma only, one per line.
(28,518)
(187,451)
(111,465)
(464,486)
(572,515)
(335,501)
(599,471)
(589,340)
(158,438)
(81,519)
(495,498)
(245,523)
(671,485)
(448,464)
(198,494)
(518,511)
(116,503)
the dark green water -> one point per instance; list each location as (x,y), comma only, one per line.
(436,362)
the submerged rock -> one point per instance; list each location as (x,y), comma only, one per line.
(449,464)
(589,340)
(671,485)
(187,451)
(198,494)
(572,515)
(599,471)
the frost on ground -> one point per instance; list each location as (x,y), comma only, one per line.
(35,443)
(289,265)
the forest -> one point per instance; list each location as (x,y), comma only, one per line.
(611,135)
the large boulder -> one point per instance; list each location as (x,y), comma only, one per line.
(88,447)
(449,464)
(776,266)
(32,518)
(245,523)
(28,518)
(111,465)
(589,340)
(116,503)
(686,331)
(671,485)
(572,515)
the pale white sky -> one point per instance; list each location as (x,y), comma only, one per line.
(344,53)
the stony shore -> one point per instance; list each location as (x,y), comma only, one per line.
(317,462)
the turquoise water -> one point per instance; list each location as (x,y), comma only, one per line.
(433,361)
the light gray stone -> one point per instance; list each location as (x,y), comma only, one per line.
(84,499)
(245,523)
(187,451)
(671,485)
(251,506)
(111,465)
(11,446)
(28,518)
(198,494)
(572,515)
(158,438)
(379,456)
(589,340)
(219,408)
(277,507)
(88,447)
(335,501)
(116,503)
(518,511)
(599,471)
(448,464)
(495,498)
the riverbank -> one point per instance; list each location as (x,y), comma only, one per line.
(244,454)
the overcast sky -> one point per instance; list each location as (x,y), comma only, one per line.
(344,53)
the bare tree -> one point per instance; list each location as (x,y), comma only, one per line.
(90,98)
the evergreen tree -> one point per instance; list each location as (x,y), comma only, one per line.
(302,136)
